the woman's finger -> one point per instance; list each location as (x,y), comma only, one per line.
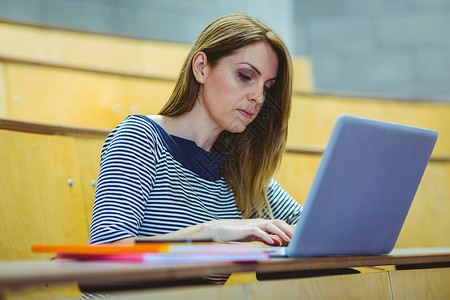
(276,240)
(279,228)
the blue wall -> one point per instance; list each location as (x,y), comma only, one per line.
(170,20)
(396,48)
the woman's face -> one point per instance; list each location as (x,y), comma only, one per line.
(233,91)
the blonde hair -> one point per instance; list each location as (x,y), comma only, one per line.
(254,155)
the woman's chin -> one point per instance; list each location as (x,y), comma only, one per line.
(237,126)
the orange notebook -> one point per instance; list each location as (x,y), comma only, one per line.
(100,249)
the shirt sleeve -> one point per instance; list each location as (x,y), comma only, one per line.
(283,206)
(126,177)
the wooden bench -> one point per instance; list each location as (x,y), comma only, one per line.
(87,79)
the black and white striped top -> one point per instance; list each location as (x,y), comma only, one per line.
(151,183)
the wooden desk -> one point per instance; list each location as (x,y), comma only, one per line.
(26,273)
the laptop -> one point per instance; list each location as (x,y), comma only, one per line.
(363,189)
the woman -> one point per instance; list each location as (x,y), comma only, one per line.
(202,168)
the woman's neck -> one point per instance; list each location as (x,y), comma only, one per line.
(193,125)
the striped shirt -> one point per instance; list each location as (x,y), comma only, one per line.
(152,183)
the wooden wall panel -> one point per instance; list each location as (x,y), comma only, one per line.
(296,174)
(427,223)
(43,291)
(88,152)
(92,51)
(302,78)
(4,112)
(188,293)
(38,205)
(313,117)
(145,96)
(421,284)
(47,94)
(358,286)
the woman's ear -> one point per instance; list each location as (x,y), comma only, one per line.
(200,66)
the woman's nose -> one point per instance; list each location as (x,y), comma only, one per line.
(257,95)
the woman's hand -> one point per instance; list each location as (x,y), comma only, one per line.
(270,232)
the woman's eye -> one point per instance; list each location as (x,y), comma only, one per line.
(244,77)
(267,88)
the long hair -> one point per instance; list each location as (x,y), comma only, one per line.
(255,154)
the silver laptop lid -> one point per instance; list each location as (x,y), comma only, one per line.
(363,189)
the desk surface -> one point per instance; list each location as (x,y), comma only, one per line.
(19,273)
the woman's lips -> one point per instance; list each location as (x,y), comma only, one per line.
(246,113)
